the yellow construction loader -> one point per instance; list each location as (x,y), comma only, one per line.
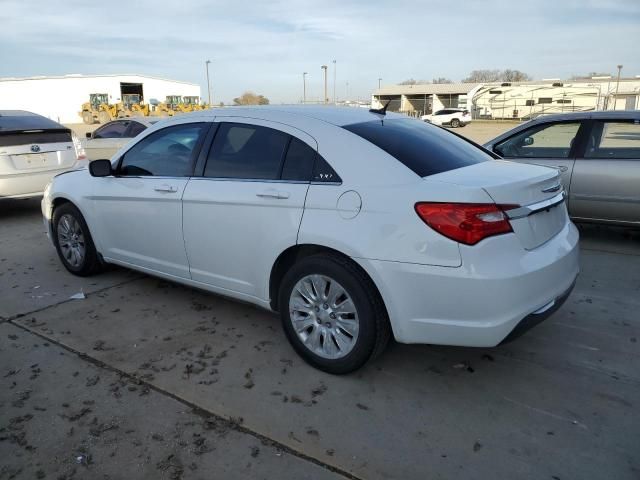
(133,107)
(191,104)
(159,109)
(98,109)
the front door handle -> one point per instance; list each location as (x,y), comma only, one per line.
(166,188)
(272,193)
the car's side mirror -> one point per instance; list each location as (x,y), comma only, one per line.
(100,168)
(528,141)
(88,134)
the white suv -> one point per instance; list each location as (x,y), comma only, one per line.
(454,117)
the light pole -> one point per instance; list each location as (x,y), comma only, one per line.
(304,87)
(324,73)
(208,84)
(379,83)
(334,82)
(615,99)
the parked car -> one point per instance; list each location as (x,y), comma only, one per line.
(32,150)
(333,217)
(112,136)
(453,117)
(597,153)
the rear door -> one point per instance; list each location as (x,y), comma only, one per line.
(606,180)
(246,206)
(552,144)
(107,140)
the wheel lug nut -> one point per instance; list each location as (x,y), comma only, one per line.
(317,309)
(332,316)
(325,306)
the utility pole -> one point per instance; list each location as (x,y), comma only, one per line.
(208,84)
(304,87)
(334,82)
(615,99)
(379,83)
(324,73)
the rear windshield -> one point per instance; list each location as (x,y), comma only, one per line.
(41,136)
(15,121)
(423,148)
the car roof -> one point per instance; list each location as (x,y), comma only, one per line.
(19,120)
(338,116)
(604,114)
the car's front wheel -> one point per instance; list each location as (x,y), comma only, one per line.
(73,241)
(332,313)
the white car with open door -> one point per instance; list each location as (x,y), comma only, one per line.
(354,225)
(33,149)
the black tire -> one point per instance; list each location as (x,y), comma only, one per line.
(90,263)
(455,123)
(374,329)
(87,117)
(103,117)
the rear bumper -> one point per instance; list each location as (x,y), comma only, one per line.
(24,185)
(480,303)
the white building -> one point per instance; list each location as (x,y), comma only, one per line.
(61,98)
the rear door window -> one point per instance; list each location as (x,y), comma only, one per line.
(425,149)
(614,140)
(135,128)
(244,151)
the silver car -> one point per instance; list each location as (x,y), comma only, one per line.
(597,153)
(33,149)
(110,137)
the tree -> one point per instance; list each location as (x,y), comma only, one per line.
(486,76)
(442,80)
(411,81)
(483,76)
(514,76)
(250,98)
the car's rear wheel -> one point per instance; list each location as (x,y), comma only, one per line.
(73,241)
(332,313)
(455,123)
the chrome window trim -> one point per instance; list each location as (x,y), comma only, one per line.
(527,210)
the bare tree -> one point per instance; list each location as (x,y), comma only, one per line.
(514,76)
(442,80)
(250,98)
(507,75)
(483,76)
(412,81)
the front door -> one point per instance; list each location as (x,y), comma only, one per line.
(247,205)
(606,182)
(138,211)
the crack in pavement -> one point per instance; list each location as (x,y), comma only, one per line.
(230,422)
(10,318)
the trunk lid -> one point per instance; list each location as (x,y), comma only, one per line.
(36,150)
(520,185)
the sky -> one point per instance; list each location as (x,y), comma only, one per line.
(265,46)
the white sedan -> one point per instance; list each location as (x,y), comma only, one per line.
(112,136)
(33,149)
(353,225)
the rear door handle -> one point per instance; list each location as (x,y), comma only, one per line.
(272,193)
(166,188)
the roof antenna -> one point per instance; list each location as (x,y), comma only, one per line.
(381,111)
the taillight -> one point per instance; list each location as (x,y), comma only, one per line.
(77,145)
(466,223)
